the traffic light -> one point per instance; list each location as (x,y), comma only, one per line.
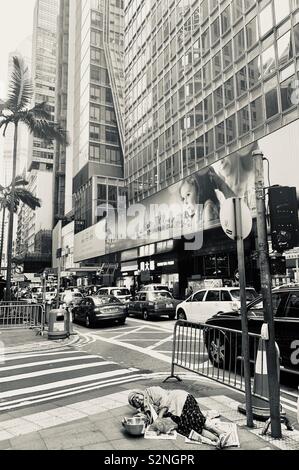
(284,225)
(278,265)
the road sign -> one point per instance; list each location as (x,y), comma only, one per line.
(227,218)
(19,269)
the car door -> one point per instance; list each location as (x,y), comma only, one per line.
(194,306)
(78,310)
(255,314)
(226,301)
(132,306)
(287,332)
(142,303)
(212,303)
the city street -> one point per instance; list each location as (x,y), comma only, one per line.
(97,362)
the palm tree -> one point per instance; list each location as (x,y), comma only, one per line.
(21,195)
(37,119)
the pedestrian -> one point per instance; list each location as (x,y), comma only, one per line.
(181,407)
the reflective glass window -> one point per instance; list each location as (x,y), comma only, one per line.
(284,49)
(229,91)
(227,53)
(271,103)
(218,99)
(239,44)
(266,19)
(215,30)
(287,93)
(282,10)
(241,81)
(257,112)
(216,65)
(230,125)
(220,135)
(269,63)
(252,35)
(243,121)
(254,71)
(225,20)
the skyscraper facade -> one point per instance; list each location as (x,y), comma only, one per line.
(40,155)
(90,95)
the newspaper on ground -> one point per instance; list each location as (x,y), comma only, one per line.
(227,428)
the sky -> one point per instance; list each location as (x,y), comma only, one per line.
(16,25)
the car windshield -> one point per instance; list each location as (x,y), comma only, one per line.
(98,301)
(159,295)
(250,294)
(120,292)
(160,288)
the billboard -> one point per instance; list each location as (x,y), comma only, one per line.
(90,243)
(191,207)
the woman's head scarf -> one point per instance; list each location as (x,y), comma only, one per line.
(132,397)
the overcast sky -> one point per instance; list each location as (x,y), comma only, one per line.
(16,25)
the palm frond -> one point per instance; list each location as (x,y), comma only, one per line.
(44,129)
(27,198)
(41,111)
(5,122)
(20,86)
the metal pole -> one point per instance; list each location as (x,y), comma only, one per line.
(244,320)
(297,271)
(263,249)
(58,282)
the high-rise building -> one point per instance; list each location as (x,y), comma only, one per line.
(40,155)
(207,81)
(90,85)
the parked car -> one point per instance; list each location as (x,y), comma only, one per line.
(149,304)
(93,310)
(154,287)
(120,293)
(207,302)
(286,320)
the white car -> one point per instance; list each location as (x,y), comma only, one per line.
(205,303)
(154,287)
(121,293)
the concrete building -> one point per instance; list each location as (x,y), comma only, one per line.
(89,171)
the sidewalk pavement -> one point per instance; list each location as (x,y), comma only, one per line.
(95,423)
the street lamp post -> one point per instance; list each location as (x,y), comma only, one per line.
(274,391)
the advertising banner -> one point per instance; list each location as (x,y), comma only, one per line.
(90,243)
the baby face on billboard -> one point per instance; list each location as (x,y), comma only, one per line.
(189,198)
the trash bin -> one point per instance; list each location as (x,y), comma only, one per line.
(58,324)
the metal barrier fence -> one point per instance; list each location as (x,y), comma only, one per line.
(22,315)
(212,351)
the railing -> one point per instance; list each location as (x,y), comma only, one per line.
(22,315)
(212,351)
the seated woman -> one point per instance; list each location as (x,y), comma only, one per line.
(181,407)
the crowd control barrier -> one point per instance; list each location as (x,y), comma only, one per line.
(22,315)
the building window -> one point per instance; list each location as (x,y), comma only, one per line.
(243,121)
(225,20)
(271,103)
(239,44)
(242,84)
(282,10)
(286,92)
(257,112)
(269,63)
(227,53)
(252,35)
(231,129)
(266,20)
(229,91)
(284,49)
(254,71)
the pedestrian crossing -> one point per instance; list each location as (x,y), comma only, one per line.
(31,378)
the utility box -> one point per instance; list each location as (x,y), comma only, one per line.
(58,324)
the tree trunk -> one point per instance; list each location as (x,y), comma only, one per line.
(11,215)
(2,235)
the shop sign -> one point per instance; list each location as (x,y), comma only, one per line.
(90,243)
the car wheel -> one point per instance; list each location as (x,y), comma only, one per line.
(121,322)
(181,315)
(219,349)
(145,315)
